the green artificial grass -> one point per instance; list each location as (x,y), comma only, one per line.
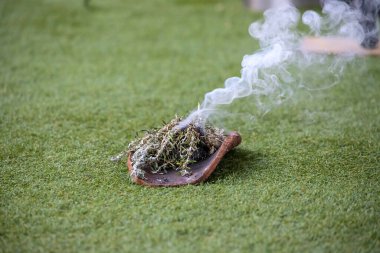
(77,83)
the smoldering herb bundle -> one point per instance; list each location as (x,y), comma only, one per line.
(173,148)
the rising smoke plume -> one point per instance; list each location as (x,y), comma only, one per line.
(266,76)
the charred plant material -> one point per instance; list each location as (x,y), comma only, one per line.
(173,148)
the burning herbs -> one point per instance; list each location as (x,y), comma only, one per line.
(173,148)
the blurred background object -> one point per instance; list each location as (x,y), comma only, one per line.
(261,5)
(369,9)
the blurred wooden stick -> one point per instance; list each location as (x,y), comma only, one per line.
(336,45)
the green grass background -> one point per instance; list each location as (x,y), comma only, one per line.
(76,84)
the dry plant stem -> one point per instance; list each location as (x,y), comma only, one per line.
(172,148)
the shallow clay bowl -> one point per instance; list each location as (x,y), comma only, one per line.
(200,170)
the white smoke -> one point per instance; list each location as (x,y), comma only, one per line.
(313,21)
(265,74)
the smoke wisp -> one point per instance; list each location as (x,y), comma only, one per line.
(267,76)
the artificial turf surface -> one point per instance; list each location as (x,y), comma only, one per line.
(76,84)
